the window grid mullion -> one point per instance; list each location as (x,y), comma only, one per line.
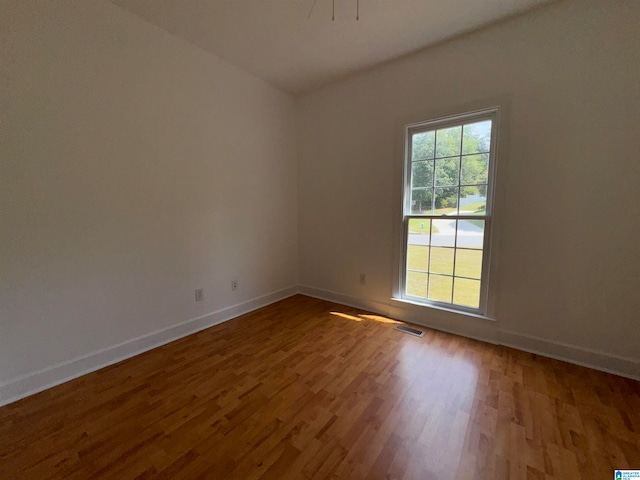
(463,121)
(433,184)
(444,275)
(453,156)
(455,249)
(450,217)
(460,171)
(430,242)
(455,238)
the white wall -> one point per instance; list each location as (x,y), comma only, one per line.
(566,271)
(134,168)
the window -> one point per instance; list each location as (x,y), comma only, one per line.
(447,211)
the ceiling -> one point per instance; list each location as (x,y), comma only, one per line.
(278,41)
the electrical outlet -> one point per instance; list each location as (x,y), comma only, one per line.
(199,294)
(234,285)
(363,279)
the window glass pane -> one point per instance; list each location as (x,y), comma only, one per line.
(468,263)
(450,166)
(470,233)
(475,169)
(440,288)
(446,201)
(418,258)
(422,147)
(477,137)
(422,174)
(443,233)
(421,201)
(448,142)
(419,231)
(441,260)
(467,292)
(417,284)
(447,172)
(473,200)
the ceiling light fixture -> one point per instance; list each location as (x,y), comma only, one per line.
(333,10)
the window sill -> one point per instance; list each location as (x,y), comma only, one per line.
(443,309)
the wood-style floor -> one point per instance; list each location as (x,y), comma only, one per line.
(309,389)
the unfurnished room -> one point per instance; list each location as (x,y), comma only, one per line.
(320,239)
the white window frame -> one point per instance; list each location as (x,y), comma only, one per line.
(439,123)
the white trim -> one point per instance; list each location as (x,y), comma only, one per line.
(457,323)
(399,290)
(40,380)
(330,296)
(410,312)
(452,119)
(585,357)
(444,308)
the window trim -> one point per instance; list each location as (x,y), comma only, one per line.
(492,114)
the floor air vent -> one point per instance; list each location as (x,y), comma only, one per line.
(410,331)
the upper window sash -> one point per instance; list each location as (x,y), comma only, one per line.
(440,124)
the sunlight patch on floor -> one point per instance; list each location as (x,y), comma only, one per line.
(366,316)
(348,317)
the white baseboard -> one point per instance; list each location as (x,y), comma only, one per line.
(35,382)
(605,362)
(406,313)
(364,304)
(38,381)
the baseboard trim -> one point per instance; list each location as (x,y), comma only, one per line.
(330,296)
(35,382)
(597,360)
(38,381)
(483,334)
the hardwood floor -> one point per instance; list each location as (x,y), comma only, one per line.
(309,389)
